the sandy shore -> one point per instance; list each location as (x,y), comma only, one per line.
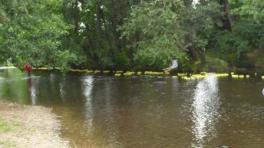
(29,127)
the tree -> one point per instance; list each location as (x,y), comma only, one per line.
(162,30)
(149,30)
(33,33)
(239,32)
(203,35)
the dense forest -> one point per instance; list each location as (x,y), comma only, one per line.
(205,35)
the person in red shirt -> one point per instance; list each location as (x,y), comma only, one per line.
(28,69)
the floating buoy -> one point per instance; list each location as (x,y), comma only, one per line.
(263,91)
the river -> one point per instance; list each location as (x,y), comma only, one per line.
(145,111)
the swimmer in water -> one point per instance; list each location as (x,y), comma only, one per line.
(28,69)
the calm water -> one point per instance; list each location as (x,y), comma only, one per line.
(145,112)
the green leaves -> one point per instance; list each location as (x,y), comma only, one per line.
(162,30)
(155,32)
(34,32)
(124,34)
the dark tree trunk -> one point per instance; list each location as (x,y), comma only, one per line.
(226,18)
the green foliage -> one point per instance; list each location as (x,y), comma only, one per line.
(249,23)
(33,32)
(256,59)
(160,31)
(3,126)
(230,46)
(95,30)
(63,59)
(157,53)
(246,35)
(132,34)
(149,28)
(215,64)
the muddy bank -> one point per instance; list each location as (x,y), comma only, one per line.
(29,127)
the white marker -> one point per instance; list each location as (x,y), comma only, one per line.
(174,65)
(263,91)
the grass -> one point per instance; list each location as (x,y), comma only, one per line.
(4,127)
(7,144)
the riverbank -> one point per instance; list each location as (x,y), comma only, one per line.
(29,127)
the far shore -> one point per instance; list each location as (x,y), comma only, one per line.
(121,73)
(24,126)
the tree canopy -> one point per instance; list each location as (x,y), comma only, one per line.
(215,35)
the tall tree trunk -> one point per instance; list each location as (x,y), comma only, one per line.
(226,18)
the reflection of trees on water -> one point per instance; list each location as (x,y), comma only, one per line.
(14,87)
(205,109)
(44,89)
(87,83)
(109,118)
(110,112)
(62,89)
(54,88)
(32,88)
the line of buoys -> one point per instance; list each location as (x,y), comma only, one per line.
(240,76)
(203,75)
(183,76)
